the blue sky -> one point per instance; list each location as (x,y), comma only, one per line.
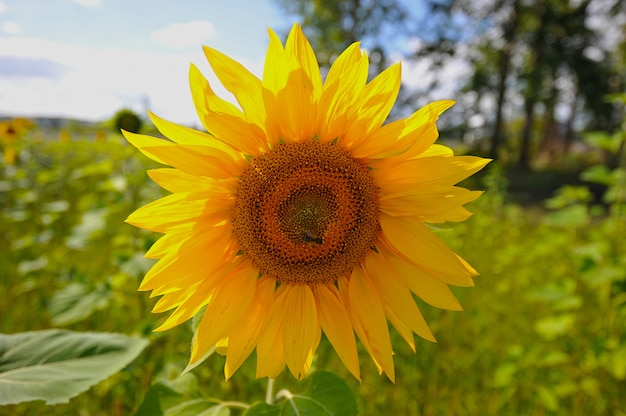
(88,58)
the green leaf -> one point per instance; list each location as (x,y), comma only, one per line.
(195,322)
(327,395)
(571,217)
(603,140)
(76,302)
(598,174)
(552,327)
(179,397)
(56,365)
(263,409)
(198,407)
(166,393)
(156,398)
(332,392)
(91,224)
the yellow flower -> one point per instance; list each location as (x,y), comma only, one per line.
(299,212)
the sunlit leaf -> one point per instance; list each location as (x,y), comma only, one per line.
(92,223)
(572,216)
(548,398)
(56,365)
(554,326)
(598,174)
(603,140)
(28,266)
(76,302)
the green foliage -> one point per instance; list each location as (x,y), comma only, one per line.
(56,365)
(327,395)
(76,302)
(179,397)
(542,332)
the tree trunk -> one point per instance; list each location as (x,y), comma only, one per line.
(504,64)
(532,87)
(529,119)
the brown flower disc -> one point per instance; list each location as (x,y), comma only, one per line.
(305,212)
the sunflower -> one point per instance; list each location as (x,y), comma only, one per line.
(299,212)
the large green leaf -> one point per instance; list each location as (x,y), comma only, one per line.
(56,365)
(327,395)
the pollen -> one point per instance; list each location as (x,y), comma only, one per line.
(306,212)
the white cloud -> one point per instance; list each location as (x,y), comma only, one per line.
(11,28)
(3,7)
(183,35)
(97,82)
(89,3)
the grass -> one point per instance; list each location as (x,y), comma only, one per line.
(542,332)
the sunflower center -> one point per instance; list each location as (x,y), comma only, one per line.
(306,212)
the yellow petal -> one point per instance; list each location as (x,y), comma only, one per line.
(291,87)
(189,257)
(185,135)
(202,94)
(191,303)
(198,160)
(418,244)
(174,299)
(292,111)
(418,132)
(343,85)
(226,122)
(428,287)
(175,180)
(230,299)
(244,335)
(375,103)
(181,211)
(301,329)
(298,45)
(352,62)
(456,214)
(413,175)
(244,85)
(370,323)
(269,350)
(396,297)
(167,243)
(221,346)
(141,141)
(432,202)
(278,65)
(337,326)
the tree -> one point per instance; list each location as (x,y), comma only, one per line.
(126,119)
(331,26)
(548,54)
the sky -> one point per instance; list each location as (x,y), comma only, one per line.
(86,59)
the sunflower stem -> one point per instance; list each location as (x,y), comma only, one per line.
(268,394)
(239,405)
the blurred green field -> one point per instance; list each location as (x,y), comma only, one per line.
(543,331)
